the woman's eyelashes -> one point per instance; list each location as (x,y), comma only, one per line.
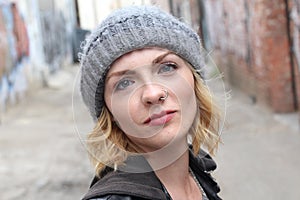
(123,84)
(167,68)
(163,69)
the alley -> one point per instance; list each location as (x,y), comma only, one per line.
(40,153)
(259,157)
(42,156)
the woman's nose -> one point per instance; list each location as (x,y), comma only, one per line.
(153,94)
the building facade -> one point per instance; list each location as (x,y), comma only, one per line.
(35,42)
(256,44)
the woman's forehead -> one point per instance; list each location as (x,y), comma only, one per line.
(141,57)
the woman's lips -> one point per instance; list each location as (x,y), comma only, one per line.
(160,118)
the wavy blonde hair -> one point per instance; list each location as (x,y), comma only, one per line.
(108,145)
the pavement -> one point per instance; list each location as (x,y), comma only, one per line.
(259,157)
(42,155)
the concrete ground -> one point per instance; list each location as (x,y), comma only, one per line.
(42,156)
(259,157)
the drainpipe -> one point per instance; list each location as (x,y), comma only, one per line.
(292,65)
(171,7)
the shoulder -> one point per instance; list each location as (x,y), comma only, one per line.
(114,197)
(124,185)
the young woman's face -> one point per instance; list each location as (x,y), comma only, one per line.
(135,88)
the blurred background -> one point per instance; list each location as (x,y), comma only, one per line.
(255,45)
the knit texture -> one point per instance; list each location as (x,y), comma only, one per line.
(129,29)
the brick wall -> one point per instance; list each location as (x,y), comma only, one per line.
(251,45)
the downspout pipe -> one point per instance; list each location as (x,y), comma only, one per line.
(171,7)
(292,64)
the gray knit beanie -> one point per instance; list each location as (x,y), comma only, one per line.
(129,29)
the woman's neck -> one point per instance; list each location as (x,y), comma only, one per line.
(177,179)
(177,172)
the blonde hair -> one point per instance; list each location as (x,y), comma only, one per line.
(108,145)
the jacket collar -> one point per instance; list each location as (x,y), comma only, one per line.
(124,183)
(133,184)
(202,165)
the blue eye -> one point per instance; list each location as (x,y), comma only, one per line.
(123,84)
(167,67)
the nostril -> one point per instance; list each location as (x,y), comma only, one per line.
(166,94)
(153,94)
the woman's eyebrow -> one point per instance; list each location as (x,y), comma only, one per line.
(155,61)
(120,73)
(161,57)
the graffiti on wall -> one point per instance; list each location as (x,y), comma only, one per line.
(33,43)
(54,35)
(14,52)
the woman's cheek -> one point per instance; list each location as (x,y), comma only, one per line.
(182,85)
(183,89)
(119,107)
(126,111)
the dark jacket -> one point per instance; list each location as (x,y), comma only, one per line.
(116,185)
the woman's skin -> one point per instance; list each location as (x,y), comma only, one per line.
(133,88)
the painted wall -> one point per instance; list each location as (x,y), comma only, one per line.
(35,41)
(14,50)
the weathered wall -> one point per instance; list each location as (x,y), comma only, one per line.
(35,40)
(251,43)
(14,50)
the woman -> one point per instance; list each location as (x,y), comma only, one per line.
(142,81)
